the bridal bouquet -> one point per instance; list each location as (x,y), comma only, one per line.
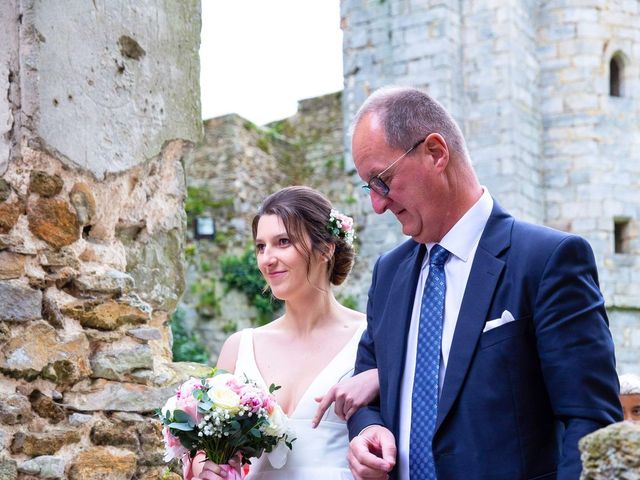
(223,415)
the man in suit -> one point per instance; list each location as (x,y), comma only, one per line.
(524,360)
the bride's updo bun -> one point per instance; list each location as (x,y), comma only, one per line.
(306,212)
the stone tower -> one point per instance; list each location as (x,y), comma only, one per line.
(546,94)
(99,104)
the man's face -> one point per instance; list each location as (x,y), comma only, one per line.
(413,183)
(631,406)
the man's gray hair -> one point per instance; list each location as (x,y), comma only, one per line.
(409,115)
(629,384)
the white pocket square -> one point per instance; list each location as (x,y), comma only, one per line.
(498,322)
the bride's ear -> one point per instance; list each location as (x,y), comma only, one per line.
(328,255)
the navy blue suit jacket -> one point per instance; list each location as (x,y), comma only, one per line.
(516,399)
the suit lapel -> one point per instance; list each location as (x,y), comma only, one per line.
(482,282)
(397,318)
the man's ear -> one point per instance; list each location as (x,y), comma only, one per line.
(437,148)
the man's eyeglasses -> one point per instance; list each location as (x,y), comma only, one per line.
(377,184)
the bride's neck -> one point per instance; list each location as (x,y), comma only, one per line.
(311,312)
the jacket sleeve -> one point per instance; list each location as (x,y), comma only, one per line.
(575,348)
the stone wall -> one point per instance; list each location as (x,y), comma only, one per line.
(99,106)
(528,83)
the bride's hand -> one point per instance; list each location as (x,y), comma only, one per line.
(199,468)
(349,395)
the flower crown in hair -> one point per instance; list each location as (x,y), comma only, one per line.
(341,226)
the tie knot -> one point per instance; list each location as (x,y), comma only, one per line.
(438,255)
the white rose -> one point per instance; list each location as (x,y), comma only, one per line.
(219,380)
(225,398)
(169,407)
(278,422)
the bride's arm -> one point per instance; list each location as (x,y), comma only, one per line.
(229,353)
(349,395)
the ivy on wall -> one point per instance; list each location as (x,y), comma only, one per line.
(186,346)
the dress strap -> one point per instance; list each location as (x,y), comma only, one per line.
(246,361)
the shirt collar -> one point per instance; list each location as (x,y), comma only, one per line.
(465,234)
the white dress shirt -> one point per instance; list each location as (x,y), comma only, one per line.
(461,241)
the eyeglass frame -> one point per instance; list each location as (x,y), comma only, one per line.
(380,186)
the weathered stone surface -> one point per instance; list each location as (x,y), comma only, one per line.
(8,469)
(84,202)
(65,257)
(19,302)
(108,315)
(157,473)
(79,419)
(107,281)
(40,350)
(14,409)
(9,214)
(46,407)
(114,433)
(114,363)
(611,453)
(145,333)
(11,265)
(51,220)
(108,395)
(44,184)
(43,443)
(5,190)
(45,466)
(151,441)
(50,310)
(157,267)
(103,463)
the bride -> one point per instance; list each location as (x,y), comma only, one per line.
(302,247)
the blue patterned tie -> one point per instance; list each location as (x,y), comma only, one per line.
(424,399)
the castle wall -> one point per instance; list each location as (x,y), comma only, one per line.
(528,82)
(98,108)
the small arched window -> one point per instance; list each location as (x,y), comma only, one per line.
(616,67)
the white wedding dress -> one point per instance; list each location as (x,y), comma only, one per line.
(320,453)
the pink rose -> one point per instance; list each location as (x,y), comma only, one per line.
(172,446)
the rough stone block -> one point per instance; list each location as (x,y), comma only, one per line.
(103,463)
(43,443)
(44,184)
(114,363)
(109,281)
(611,453)
(104,433)
(9,214)
(19,302)
(8,469)
(39,350)
(11,265)
(14,409)
(107,315)
(45,466)
(51,220)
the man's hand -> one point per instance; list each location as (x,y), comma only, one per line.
(372,454)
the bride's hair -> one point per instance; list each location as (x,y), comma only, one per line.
(305,212)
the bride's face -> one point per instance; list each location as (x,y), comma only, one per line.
(284,266)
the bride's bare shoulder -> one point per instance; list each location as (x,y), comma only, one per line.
(229,352)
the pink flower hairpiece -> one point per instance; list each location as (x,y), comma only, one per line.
(341,226)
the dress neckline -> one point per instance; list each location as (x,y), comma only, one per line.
(327,368)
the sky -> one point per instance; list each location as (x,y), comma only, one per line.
(259,57)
